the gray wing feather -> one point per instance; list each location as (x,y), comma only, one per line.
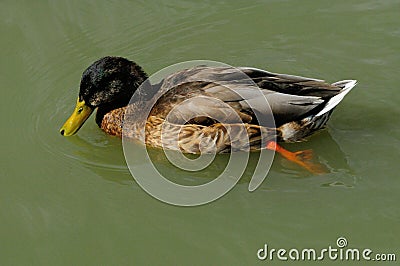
(289,97)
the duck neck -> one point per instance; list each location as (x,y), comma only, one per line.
(139,76)
(106,108)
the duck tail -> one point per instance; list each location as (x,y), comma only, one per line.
(346,86)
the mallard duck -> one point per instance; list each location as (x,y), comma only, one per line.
(300,106)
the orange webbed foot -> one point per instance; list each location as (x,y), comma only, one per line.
(305,155)
(302,158)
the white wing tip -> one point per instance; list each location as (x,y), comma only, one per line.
(335,100)
(347,84)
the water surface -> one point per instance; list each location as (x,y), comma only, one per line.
(73,201)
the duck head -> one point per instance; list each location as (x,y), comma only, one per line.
(108,83)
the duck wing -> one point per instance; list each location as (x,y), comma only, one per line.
(291,84)
(244,89)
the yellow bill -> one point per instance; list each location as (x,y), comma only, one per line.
(76,120)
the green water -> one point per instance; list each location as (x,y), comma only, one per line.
(72,201)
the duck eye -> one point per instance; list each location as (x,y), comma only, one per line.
(80,110)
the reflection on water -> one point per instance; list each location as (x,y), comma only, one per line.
(105,153)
